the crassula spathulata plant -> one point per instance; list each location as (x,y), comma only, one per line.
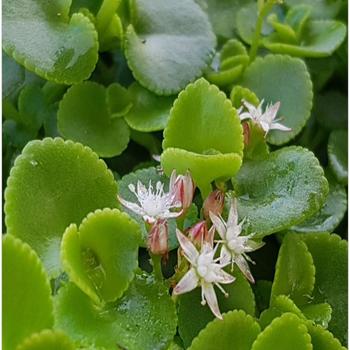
(174,172)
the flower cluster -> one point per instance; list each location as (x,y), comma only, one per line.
(205,256)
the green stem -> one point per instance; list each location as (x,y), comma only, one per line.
(157,266)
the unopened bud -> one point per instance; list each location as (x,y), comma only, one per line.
(158,238)
(199,233)
(214,203)
(183,189)
(246,133)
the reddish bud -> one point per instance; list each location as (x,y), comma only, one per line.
(246,133)
(214,203)
(199,233)
(183,189)
(158,238)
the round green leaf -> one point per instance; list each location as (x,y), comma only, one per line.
(329,253)
(210,143)
(149,112)
(295,271)
(330,215)
(101,256)
(47,339)
(26,294)
(237,328)
(41,36)
(84,116)
(323,339)
(284,333)
(319,8)
(193,316)
(284,189)
(319,313)
(55,183)
(143,319)
(337,154)
(158,40)
(118,100)
(285,79)
(321,39)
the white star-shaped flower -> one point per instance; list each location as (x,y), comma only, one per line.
(153,204)
(204,272)
(266,119)
(234,247)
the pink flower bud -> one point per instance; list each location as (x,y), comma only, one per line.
(199,233)
(214,203)
(158,238)
(183,189)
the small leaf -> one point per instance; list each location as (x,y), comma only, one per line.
(295,271)
(47,339)
(193,316)
(118,100)
(85,116)
(329,253)
(55,183)
(337,155)
(323,339)
(67,53)
(26,298)
(149,112)
(212,146)
(262,292)
(285,79)
(236,328)
(324,8)
(284,333)
(157,44)
(143,319)
(240,93)
(318,313)
(101,256)
(280,191)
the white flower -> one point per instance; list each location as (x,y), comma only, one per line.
(266,120)
(153,204)
(234,247)
(204,272)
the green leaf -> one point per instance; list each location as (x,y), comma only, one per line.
(157,44)
(236,328)
(337,154)
(41,36)
(13,76)
(284,189)
(118,100)
(262,291)
(146,176)
(143,319)
(212,145)
(330,215)
(323,339)
(329,253)
(193,316)
(295,271)
(285,79)
(100,256)
(284,333)
(55,183)
(47,339)
(318,313)
(320,39)
(84,116)
(26,298)
(240,93)
(323,8)
(149,112)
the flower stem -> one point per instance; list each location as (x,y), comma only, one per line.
(157,267)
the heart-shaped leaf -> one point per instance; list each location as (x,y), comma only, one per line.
(193,316)
(85,116)
(143,319)
(284,189)
(236,328)
(149,112)
(157,44)
(337,155)
(295,271)
(212,145)
(26,294)
(284,79)
(47,339)
(55,183)
(284,333)
(329,253)
(41,36)
(101,256)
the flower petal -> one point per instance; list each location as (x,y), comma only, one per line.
(245,115)
(187,282)
(219,224)
(225,256)
(188,247)
(222,276)
(272,111)
(132,206)
(279,126)
(252,245)
(244,267)
(210,297)
(233,213)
